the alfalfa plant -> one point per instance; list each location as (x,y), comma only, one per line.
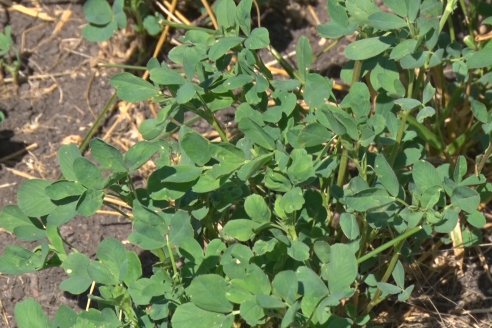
(304,216)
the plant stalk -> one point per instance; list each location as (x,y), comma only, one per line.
(389,244)
(98,123)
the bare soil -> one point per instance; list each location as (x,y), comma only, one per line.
(60,93)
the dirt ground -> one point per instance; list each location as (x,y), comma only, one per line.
(61,92)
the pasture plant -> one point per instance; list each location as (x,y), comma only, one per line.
(9,56)
(305,213)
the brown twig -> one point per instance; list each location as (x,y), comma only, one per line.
(19,152)
(210,13)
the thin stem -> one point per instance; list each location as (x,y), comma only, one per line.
(450,7)
(140,68)
(389,270)
(343,167)
(166,22)
(484,159)
(389,244)
(212,120)
(285,64)
(98,123)
(171,256)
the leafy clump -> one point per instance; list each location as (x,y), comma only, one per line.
(9,57)
(305,214)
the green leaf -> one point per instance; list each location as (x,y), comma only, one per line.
(314,134)
(404,48)
(252,313)
(460,169)
(480,59)
(425,175)
(407,103)
(349,225)
(366,48)
(185,93)
(63,189)
(75,266)
(386,21)
(298,251)
(29,233)
(94,33)
(225,10)
(285,285)
(399,7)
(342,268)
(428,94)
(196,147)
(253,166)
(66,156)
(108,156)
(388,288)
(269,302)
(90,202)
(479,111)
(256,134)
(12,217)
(98,12)
(152,25)
(424,113)
(386,175)
(188,315)
(181,228)
(258,39)
(334,30)
(476,219)
(222,46)
(243,15)
(99,273)
(398,275)
(141,153)
(164,75)
(132,88)
(466,198)
(359,100)
(200,293)
(257,209)
(292,200)
(368,199)
(32,198)
(318,89)
(29,314)
(88,174)
(240,229)
(302,167)
(313,287)
(17,260)
(304,54)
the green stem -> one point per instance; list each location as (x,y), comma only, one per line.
(212,120)
(389,244)
(389,270)
(399,136)
(450,7)
(186,27)
(343,167)
(171,256)
(285,64)
(98,123)
(484,159)
(357,71)
(140,68)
